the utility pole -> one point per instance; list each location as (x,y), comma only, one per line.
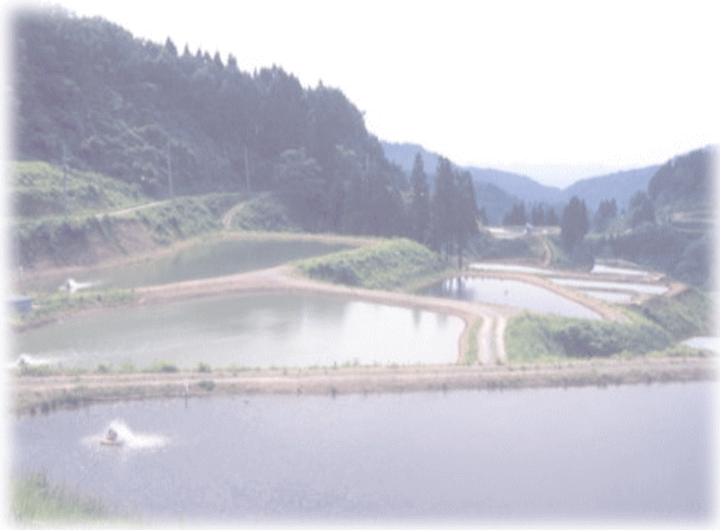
(247,170)
(65,169)
(170,180)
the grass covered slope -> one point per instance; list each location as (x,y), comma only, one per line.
(40,189)
(387,265)
(534,337)
(652,327)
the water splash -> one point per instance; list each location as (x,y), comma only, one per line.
(127,438)
(34,361)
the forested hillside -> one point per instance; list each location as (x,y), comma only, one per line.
(91,99)
(670,226)
(173,122)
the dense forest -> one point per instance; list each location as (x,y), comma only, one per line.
(91,96)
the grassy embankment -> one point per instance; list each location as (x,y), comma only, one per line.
(653,330)
(34,500)
(60,219)
(393,264)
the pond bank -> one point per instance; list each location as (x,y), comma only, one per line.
(44,393)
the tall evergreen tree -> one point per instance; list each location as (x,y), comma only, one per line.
(466,212)
(575,223)
(443,208)
(420,205)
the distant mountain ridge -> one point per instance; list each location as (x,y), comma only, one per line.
(620,185)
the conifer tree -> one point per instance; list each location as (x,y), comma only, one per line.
(420,206)
(466,212)
(443,208)
(575,223)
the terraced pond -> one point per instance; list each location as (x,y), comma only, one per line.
(202,260)
(511,293)
(632,453)
(263,330)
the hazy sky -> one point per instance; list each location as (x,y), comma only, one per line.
(557,90)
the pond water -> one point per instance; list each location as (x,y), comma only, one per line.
(642,452)
(610,296)
(263,330)
(621,286)
(511,293)
(620,271)
(708,343)
(203,260)
(507,267)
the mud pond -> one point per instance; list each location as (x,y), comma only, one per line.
(509,292)
(202,260)
(635,453)
(262,330)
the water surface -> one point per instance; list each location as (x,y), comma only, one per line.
(635,453)
(263,330)
(645,288)
(206,259)
(511,293)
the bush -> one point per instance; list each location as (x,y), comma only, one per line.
(204,368)
(207,385)
(265,214)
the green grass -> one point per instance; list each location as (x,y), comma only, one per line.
(40,189)
(185,217)
(33,499)
(59,239)
(684,315)
(471,352)
(388,265)
(265,214)
(531,337)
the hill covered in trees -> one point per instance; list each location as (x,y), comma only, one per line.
(90,95)
(90,98)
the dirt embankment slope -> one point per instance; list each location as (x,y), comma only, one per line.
(42,394)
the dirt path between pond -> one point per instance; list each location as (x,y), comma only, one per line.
(45,393)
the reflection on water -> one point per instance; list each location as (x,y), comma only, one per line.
(620,271)
(506,267)
(610,296)
(264,330)
(202,260)
(511,293)
(633,452)
(707,343)
(645,288)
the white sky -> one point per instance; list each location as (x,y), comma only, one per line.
(557,90)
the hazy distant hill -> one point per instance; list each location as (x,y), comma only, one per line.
(520,187)
(492,197)
(620,186)
(685,181)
